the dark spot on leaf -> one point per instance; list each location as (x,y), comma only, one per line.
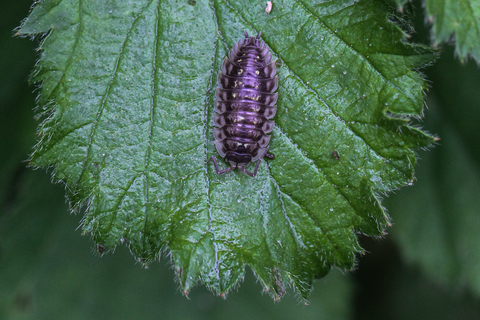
(192,2)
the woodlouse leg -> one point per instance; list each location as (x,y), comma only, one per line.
(216,166)
(248,172)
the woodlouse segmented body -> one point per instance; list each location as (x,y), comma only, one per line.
(245,101)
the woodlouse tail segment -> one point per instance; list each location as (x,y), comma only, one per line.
(224,170)
(266,154)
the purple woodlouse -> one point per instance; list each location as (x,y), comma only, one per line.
(245,101)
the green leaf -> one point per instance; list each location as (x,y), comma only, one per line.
(458,19)
(127,98)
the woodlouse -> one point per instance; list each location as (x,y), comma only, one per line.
(245,101)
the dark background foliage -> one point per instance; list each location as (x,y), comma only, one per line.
(47,270)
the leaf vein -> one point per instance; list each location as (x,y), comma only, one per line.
(152,124)
(319,169)
(120,200)
(299,243)
(263,214)
(107,93)
(205,139)
(70,58)
(307,9)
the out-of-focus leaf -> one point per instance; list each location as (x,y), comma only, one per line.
(17,132)
(455,19)
(458,18)
(437,227)
(393,290)
(437,221)
(127,96)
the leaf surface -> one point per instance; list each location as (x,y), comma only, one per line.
(127,97)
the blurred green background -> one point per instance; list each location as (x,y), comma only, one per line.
(427,267)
